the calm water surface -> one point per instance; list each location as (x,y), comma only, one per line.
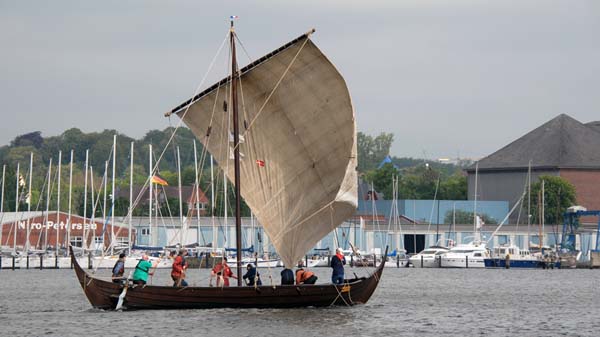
(408,302)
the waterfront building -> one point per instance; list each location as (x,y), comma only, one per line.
(561,147)
(48,229)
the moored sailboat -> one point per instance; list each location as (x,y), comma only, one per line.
(298,176)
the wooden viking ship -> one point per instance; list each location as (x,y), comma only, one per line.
(297,174)
(104,294)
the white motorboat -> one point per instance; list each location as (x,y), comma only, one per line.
(428,258)
(470,255)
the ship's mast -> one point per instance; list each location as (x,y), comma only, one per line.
(236,156)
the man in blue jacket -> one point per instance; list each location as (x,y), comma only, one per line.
(337,264)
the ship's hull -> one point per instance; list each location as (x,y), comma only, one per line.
(462,262)
(525,264)
(425,262)
(104,294)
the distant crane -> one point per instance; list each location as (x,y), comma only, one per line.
(571,224)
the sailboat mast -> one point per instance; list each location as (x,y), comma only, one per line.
(85,188)
(528,204)
(212,204)
(2,204)
(130,201)
(475,202)
(181,229)
(543,216)
(29,204)
(94,204)
(17,210)
(70,203)
(113,197)
(47,204)
(196,187)
(236,157)
(150,174)
(57,221)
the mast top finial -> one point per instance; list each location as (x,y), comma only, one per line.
(232,19)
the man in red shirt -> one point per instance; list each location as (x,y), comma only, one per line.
(223,271)
(179,268)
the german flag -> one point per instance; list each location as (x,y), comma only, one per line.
(156,179)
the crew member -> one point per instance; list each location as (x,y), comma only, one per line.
(222,271)
(252,276)
(305,277)
(287,276)
(179,268)
(337,264)
(119,269)
(142,270)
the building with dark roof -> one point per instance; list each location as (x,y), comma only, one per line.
(167,192)
(561,147)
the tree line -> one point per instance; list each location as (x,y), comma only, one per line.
(418,178)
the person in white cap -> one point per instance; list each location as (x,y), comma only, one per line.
(337,264)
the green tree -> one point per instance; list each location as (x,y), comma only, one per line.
(453,188)
(559,194)
(371,151)
(463,217)
(382,179)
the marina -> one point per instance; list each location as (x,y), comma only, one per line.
(338,168)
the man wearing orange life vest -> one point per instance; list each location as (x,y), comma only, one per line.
(305,277)
(222,270)
(179,268)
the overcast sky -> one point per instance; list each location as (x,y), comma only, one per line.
(446,77)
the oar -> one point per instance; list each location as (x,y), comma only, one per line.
(123,293)
(153,270)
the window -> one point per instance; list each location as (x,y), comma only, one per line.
(76,241)
(122,240)
(145,231)
(98,239)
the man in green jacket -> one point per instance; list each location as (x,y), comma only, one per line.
(142,270)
